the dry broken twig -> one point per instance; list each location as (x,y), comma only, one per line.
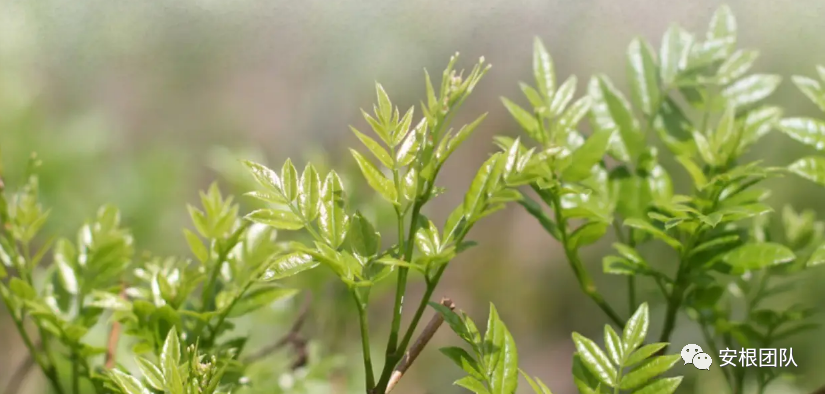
(418,345)
(292,338)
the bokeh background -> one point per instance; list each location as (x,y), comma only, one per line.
(141,104)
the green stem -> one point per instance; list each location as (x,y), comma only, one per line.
(365,340)
(585,281)
(213,333)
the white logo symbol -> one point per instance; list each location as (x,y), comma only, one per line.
(702,361)
(693,354)
(689,351)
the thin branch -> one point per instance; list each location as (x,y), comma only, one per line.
(292,337)
(114,337)
(19,375)
(418,346)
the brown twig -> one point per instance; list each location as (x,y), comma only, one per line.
(114,337)
(19,376)
(292,337)
(418,345)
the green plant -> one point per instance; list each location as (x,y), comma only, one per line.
(695,96)
(178,316)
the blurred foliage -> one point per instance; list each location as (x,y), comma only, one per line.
(141,105)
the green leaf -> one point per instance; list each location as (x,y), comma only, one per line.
(170,359)
(537,385)
(289,180)
(265,177)
(384,104)
(376,179)
(287,265)
(524,118)
(620,112)
(652,230)
(676,45)
(595,360)
(811,89)
(281,220)
(817,257)
(722,25)
(258,298)
(644,76)
(470,383)
(811,168)
(196,246)
(128,383)
(464,361)
(309,197)
(333,219)
(754,256)
(543,70)
(377,150)
(588,155)
(22,289)
(751,89)
(647,371)
(705,149)
(151,373)
(587,234)
(736,66)
(661,386)
(362,236)
(574,114)
(532,95)
(643,353)
(613,345)
(64,258)
(500,355)
(808,131)
(635,330)
(563,96)
(476,197)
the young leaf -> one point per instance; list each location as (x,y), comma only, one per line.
(524,118)
(265,177)
(151,373)
(362,236)
(500,355)
(587,156)
(811,168)
(644,76)
(754,256)
(647,371)
(661,386)
(613,345)
(619,110)
(333,219)
(259,298)
(464,361)
(563,96)
(595,360)
(652,230)
(288,265)
(309,197)
(281,220)
(128,383)
(635,330)
(808,131)
(375,178)
(289,180)
(377,150)
(751,89)
(543,70)
(470,383)
(674,53)
(736,66)
(643,353)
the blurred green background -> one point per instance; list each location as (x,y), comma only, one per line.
(141,104)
